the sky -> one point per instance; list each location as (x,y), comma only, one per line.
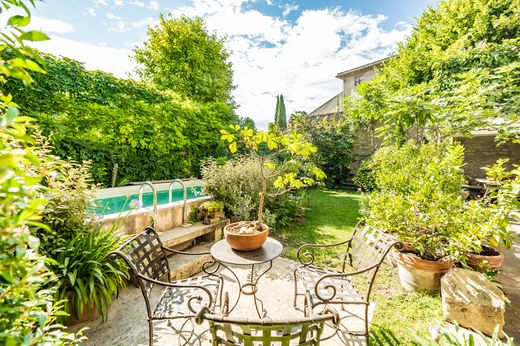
(288,47)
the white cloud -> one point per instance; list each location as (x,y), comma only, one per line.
(50,25)
(100,3)
(270,55)
(110,15)
(288,8)
(118,3)
(154,5)
(144,23)
(137,3)
(95,57)
(299,59)
(91,12)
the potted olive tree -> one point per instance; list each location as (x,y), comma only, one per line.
(419,199)
(279,155)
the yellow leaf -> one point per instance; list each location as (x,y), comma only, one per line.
(233,147)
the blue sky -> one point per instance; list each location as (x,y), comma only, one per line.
(290,47)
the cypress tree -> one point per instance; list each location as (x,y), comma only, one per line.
(277,110)
(281,118)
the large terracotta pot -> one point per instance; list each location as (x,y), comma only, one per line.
(245,241)
(488,258)
(417,274)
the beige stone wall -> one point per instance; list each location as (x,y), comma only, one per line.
(483,150)
(363,147)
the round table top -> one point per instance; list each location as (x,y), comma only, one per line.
(271,249)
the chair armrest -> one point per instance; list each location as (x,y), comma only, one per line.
(307,258)
(178,252)
(331,288)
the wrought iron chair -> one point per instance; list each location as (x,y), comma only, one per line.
(365,252)
(147,258)
(228,331)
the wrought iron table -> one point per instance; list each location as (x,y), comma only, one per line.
(225,256)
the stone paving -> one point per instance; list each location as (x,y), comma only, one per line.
(127,324)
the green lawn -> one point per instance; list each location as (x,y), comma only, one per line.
(331,217)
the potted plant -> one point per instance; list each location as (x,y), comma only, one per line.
(486,220)
(212,211)
(419,200)
(280,156)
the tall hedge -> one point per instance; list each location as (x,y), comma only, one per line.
(128,129)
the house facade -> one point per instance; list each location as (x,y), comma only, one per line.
(480,150)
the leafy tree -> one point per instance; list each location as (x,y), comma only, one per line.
(247,121)
(334,139)
(458,71)
(182,56)
(27,313)
(280,117)
(291,172)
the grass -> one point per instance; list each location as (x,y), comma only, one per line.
(331,217)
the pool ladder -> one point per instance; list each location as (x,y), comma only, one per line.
(185,197)
(154,192)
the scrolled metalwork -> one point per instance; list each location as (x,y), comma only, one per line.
(327,288)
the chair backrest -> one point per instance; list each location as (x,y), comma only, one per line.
(144,255)
(369,247)
(266,332)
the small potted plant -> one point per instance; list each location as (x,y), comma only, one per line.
(486,220)
(279,155)
(212,211)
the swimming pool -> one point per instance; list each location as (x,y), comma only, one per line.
(117,204)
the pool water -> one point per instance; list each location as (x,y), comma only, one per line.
(111,205)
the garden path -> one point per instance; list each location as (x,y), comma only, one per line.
(510,282)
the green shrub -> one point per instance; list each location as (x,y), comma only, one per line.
(85,275)
(148,134)
(333,138)
(237,184)
(365,177)
(419,197)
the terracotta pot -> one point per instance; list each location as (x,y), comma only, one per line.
(488,258)
(417,274)
(245,241)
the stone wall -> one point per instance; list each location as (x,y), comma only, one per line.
(483,151)
(479,151)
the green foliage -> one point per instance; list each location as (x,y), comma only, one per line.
(247,121)
(182,56)
(419,197)
(280,156)
(459,71)
(449,335)
(365,177)
(86,276)
(280,116)
(128,130)
(237,183)
(28,313)
(334,139)
(70,202)
(211,206)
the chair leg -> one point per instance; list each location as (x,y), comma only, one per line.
(295,288)
(150,333)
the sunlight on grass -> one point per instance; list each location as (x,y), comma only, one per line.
(331,217)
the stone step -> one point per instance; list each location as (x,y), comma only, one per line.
(185,266)
(182,237)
